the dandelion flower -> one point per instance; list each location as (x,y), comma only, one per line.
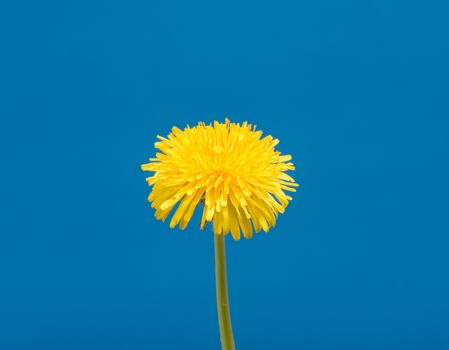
(238,175)
(235,173)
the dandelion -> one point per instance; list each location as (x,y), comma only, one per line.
(235,173)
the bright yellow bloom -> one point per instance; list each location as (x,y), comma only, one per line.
(238,176)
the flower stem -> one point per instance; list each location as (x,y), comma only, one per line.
(224,316)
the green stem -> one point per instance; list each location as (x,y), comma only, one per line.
(224,316)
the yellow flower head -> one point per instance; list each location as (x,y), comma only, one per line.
(238,176)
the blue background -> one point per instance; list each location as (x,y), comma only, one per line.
(357,92)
